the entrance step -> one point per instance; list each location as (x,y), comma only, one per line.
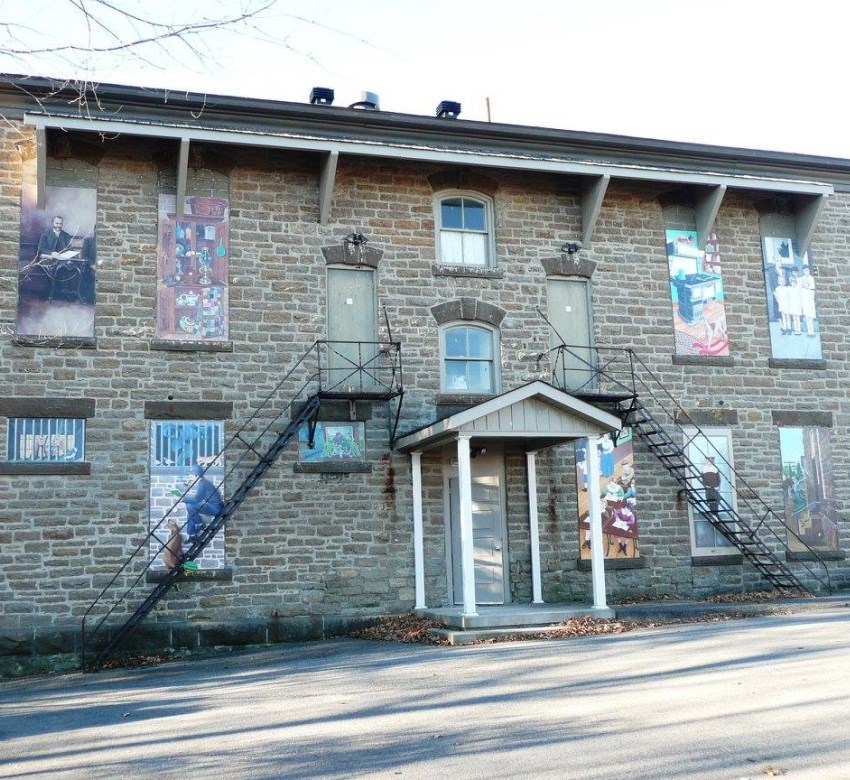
(510,616)
(471,636)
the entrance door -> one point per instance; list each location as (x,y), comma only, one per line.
(352,329)
(487,532)
(569,312)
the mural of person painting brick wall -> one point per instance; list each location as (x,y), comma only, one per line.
(56,263)
(696,289)
(192,270)
(618,492)
(179,451)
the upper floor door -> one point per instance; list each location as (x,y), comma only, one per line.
(352,329)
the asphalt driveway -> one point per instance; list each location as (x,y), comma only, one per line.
(737,699)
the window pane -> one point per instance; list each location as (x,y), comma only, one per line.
(474,248)
(456,342)
(480,376)
(451,213)
(456,375)
(480,343)
(451,247)
(473,215)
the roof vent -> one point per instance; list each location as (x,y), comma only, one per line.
(368,101)
(321,96)
(448,109)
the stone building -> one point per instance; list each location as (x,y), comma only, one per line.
(385,338)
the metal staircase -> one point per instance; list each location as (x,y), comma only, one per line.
(618,380)
(328,371)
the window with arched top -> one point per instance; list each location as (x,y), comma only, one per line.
(465,230)
(469,359)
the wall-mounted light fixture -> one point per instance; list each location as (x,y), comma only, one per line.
(571,247)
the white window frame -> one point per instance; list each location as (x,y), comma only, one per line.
(727,490)
(495,359)
(488,232)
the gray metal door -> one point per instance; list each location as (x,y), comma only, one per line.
(569,312)
(486,540)
(352,327)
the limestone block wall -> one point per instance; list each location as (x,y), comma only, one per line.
(341,543)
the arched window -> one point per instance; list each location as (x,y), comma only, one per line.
(464,224)
(469,359)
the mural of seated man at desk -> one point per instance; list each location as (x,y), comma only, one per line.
(56,279)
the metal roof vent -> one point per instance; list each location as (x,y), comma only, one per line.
(448,109)
(369,101)
(321,96)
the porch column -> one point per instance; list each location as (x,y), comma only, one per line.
(418,532)
(597,557)
(534,529)
(467,555)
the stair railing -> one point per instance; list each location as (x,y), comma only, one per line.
(311,379)
(611,372)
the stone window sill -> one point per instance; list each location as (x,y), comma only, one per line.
(472,272)
(77,468)
(224,574)
(55,342)
(612,564)
(717,560)
(173,345)
(333,467)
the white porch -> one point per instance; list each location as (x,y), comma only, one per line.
(535,416)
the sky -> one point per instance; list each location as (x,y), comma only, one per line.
(758,74)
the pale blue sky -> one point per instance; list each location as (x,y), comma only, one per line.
(766,74)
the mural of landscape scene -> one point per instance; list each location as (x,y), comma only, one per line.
(696,288)
(193,260)
(332,441)
(808,488)
(56,263)
(792,312)
(179,450)
(617,490)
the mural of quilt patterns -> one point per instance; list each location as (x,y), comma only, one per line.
(179,453)
(791,309)
(56,263)
(192,270)
(808,488)
(617,491)
(696,289)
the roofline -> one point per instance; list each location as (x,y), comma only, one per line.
(49,93)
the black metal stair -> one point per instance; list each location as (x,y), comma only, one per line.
(618,380)
(305,414)
(731,524)
(328,370)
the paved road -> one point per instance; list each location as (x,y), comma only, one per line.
(721,700)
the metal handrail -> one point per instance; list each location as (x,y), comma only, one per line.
(637,380)
(316,382)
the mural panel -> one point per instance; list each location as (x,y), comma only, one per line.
(56,263)
(696,289)
(792,312)
(179,453)
(332,441)
(808,488)
(618,493)
(192,270)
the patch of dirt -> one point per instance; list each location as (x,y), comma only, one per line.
(761,596)
(402,628)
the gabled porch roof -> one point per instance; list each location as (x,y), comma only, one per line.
(536,414)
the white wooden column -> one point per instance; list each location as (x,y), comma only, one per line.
(418,531)
(597,557)
(534,528)
(467,555)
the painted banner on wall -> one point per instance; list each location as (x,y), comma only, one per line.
(618,493)
(808,488)
(193,260)
(791,307)
(56,263)
(180,450)
(696,289)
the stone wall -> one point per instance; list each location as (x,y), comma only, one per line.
(307,544)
